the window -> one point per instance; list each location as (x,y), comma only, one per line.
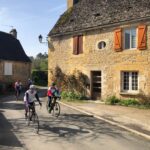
(129,81)
(77,44)
(7,68)
(101,45)
(130,38)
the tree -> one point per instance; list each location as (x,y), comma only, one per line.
(40,62)
(42,56)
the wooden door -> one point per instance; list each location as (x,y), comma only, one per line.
(96,85)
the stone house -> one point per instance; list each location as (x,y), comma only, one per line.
(14,63)
(107,40)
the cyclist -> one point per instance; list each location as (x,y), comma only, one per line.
(52,91)
(29,98)
(30,82)
(17,88)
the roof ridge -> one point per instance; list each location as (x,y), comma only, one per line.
(90,13)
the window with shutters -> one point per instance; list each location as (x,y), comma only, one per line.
(130,38)
(7,68)
(129,81)
(78,44)
(142,38)
(118,40)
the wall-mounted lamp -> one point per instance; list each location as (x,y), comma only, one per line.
(41,39)
(48,42)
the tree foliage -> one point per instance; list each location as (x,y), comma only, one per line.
(40,62)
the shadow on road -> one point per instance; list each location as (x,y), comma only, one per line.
(69,126)
(80,126)
(11,106)
(7,137)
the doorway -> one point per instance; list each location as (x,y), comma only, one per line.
(96,85)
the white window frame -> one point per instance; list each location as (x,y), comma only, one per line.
(130,82)
(130,48)
(7,68)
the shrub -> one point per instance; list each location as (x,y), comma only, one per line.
(144,99)
(129,102)
(72,96)
(76,83)
(40,77)
(9,86)
(112,100)
(6,87)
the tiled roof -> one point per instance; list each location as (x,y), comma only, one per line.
(88,14)
(11,49)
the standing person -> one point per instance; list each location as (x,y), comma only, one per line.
(17,89)
(29,98)
(29,82)
(52,91)
(20,87)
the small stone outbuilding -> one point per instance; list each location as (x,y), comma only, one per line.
(109,42)
(14,63)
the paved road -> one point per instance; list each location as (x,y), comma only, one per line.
(71,131)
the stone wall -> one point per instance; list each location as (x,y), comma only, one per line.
(108,61)
(21,71)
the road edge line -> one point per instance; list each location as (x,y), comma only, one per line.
(108,121)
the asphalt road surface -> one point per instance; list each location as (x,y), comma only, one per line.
(72,130)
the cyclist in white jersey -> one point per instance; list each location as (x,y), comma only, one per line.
(29,98)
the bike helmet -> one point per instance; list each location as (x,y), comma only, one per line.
(53,84)
(32,86)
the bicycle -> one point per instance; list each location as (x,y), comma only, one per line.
(54,106)
(32,118)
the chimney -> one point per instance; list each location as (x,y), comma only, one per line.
(70,3)
(13,32)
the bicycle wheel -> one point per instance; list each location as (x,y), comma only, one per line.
(47,107)
(35,122)
(56,109)
(29,117)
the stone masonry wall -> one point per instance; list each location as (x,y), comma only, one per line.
(21,71)
(108,61)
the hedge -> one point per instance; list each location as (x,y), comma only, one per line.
(40,77)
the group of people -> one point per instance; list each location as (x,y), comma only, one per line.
(31,93)
(18,86)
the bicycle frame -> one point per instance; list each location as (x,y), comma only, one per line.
(33,117)
(54,107)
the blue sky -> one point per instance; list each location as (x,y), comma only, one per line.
(31,18)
